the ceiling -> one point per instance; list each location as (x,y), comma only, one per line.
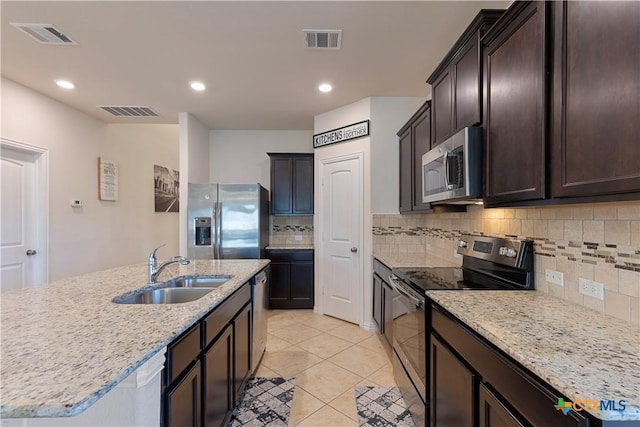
(250,55)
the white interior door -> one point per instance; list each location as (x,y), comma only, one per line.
(341,206)
(23,247)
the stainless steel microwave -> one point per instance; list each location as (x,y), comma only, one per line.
(452,171)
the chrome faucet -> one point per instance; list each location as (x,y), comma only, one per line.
(154,270)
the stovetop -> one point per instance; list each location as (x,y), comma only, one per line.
(434,278)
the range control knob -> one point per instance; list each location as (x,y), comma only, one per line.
(462,244)
(511,253)
(503,251)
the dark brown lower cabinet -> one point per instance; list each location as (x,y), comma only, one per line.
(183,400)
(218,392)
(383,300)
(470,376)
(208,366)
(291,278)
(493,412)
(241,351)
(387,314)
(453,388)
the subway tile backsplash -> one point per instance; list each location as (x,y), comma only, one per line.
(598,242)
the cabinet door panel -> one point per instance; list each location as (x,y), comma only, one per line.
(303,185)
(302,284)
(467,90)
(421,144)
(387,292)
(242,350)
(377,302)
(493,413)
(441,93)
(453,392)
(218,392)
(596,131)
(514,111)
(280,286)
(281,185)
(406,174)
(183,402)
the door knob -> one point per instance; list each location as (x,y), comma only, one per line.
(31,252)
(354,249)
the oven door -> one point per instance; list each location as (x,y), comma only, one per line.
(409,345)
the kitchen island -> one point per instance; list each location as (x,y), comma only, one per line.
(66,344)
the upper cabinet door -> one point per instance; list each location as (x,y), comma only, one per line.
(406,171)
(467,85)
(596,91)
(514,105)
(291,183)
(421,130)
(442,108)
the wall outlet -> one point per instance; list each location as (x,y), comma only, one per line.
(298,238)
(76,203)
(553,276)
(591,288)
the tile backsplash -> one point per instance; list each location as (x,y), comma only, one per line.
(285,229)
(599,242)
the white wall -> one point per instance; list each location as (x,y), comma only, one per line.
(99,235)
(388,115)
(194,164)
(240,156)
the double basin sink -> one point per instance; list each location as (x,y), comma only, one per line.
(178,290)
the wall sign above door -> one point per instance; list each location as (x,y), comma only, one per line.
(356,130)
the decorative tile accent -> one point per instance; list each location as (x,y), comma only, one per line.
(290,228)
(265,401)
(381,406)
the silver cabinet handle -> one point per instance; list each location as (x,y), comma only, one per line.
(354,249)
(31,252)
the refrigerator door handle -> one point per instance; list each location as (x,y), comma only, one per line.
(215,230)
(218,213)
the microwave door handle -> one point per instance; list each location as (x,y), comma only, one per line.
(445,162)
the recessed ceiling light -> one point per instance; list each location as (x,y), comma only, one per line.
(325,87)
(65,84)
(199,86)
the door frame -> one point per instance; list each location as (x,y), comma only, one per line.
(41,202)
(360,156)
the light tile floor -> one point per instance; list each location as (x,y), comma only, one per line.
(328,357)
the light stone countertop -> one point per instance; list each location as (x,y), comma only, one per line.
(582,353)
(65,344)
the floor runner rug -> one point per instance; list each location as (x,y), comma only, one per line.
(381,406)
(264,402)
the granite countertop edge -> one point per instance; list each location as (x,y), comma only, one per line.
(24,345)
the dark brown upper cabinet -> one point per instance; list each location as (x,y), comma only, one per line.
(514,105)
(291,183)
(561,103)
(415,140)
(595,110)
(456,84)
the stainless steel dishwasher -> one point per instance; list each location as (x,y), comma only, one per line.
(260,301)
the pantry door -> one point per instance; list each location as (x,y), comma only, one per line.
(24,210)
(341,222)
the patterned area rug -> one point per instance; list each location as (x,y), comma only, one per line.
(381,406)
(265,402)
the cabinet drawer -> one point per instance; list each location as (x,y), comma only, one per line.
(182,352)
(532,398)
(289,255)
(215,322)
(381,270)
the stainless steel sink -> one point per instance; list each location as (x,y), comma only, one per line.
(197,281)
(174,291)
(163,296)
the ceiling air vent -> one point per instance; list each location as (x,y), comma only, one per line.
(45,33)
(129,111)
(323,39)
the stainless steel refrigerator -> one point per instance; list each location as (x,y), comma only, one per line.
(227,221)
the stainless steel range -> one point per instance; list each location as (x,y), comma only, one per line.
(488,263)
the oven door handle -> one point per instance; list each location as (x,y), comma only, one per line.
(398,287)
